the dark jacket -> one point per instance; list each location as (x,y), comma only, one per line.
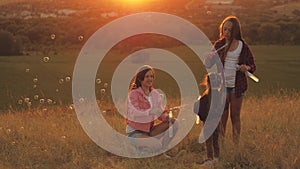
(246,57)
(201,107)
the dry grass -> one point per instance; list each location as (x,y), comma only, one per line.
(53,138)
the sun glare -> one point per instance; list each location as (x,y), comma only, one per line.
(134,2)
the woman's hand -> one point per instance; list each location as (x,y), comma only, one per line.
(244,68)
(155,111)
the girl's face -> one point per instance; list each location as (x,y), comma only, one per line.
(227,29)
(148,79)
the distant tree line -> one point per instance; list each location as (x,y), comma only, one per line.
(19,35)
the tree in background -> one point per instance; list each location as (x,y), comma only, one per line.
(9,45)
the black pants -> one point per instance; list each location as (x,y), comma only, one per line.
(212,144)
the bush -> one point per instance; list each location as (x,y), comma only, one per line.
(9,45)
(269,33)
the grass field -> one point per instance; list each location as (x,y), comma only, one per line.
(53,138)
(48,134)
(30,77)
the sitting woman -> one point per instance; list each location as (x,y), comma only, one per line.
(144,105)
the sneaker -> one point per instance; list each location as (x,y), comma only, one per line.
(207,163)
(215,160)
(167,156)
(180,153)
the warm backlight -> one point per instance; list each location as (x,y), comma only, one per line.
(134,2)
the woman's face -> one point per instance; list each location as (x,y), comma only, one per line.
(148,79)
(227,29)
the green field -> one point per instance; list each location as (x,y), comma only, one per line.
(51,136)
(277,68)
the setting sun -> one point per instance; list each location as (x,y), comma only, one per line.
(135,3)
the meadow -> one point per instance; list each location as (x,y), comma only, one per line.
(53,138)
(42,130)
(42,76)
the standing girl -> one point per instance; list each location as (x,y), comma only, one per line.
(236,59)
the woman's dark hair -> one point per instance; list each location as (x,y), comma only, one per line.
(236,32)
(139,76)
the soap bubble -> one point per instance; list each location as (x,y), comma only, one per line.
(68,79)
(105,85)
(36,97)
(42,101)
(81,100)
(52,36)
(61,81)
(20,101)
(49,101)
(26,100)
(46,59)
(98,81)
(80,38)
(29,104)
(102,91)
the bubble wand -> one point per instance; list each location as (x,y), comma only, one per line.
(217,50)
(252,76)
(171,132)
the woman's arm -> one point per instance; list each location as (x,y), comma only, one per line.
(249,59)
(214,56)
(134,105)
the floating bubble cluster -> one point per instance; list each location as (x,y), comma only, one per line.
(37,79)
